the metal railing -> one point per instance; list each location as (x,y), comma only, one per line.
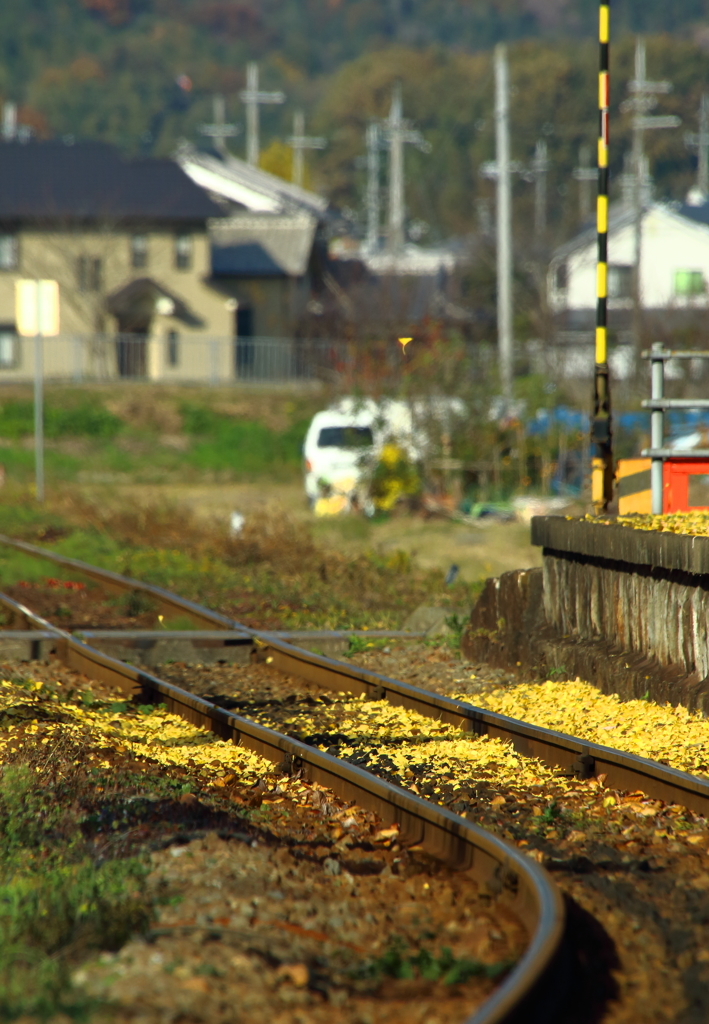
(658,404)
(173,357)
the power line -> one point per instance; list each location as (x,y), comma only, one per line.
(253,98)
(374,145)
(540,167)
(585,175)
(642,101)
(700,142)
(398,132)
(299,142)
(505,340)
(219,130)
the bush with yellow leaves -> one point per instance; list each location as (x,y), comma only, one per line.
(394,479)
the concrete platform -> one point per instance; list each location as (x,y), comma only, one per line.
(624,609)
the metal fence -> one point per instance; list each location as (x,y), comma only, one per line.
(173,358)
(181,357)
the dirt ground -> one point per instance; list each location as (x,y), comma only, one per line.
(478,551)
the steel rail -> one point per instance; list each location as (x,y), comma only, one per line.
(535,985)
(583,758)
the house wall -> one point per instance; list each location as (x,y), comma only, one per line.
(670,243)
(276,302)
(55,254)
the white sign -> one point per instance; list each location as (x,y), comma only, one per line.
(37,308)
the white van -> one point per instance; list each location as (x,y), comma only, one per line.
(344,442)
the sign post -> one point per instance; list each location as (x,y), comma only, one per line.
(37,316)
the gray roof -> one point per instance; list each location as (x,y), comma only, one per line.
(619,216)
(90,181)
(261,245)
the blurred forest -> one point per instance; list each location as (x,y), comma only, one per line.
(141,74)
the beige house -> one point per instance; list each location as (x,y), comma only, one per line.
(128,243)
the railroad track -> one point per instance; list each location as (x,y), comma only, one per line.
(538,982)
(578,757)
(452,839)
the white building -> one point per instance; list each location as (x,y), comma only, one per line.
(674,266)
(674,276)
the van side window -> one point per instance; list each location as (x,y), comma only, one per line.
(345,437)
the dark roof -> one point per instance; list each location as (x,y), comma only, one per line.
(89,181)
(139,296)
(698,213)
(248,259)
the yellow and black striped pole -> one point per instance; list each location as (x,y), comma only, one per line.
(601,433)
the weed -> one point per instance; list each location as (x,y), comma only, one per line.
(177,623)
(554,673)
(446,968)
(359,644)
(136,603)
(456,624)
(58,903)
(556,816)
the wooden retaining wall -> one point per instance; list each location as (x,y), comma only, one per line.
(644,591)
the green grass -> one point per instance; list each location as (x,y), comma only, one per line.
(73,868)
(249,448)
(83,418)
(57,903)
(423,964)
(274,575)
(84,436)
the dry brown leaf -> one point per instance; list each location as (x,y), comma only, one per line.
(296,973)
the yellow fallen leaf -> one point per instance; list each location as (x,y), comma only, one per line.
(386,833)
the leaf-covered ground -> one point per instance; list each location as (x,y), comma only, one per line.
(671,735)
(639,867)
(151,872)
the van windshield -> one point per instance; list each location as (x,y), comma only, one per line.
(345,437)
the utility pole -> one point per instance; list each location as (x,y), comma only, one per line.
(219,130)
(396,173)
(252,98)
(642,100)
(700,142)
(397,133)
(504,221)
(585,175)
(540,167)
(373,193)
(299,142)
(9,121)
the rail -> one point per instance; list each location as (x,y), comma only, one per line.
(657,403)
(537,981)
(573,755)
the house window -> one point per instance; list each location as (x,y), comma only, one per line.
(620,282)
(9,348)
(8,252)
(139,251)
(173,348)
(89,274)
(689,282)
(561,277)
(183,252)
